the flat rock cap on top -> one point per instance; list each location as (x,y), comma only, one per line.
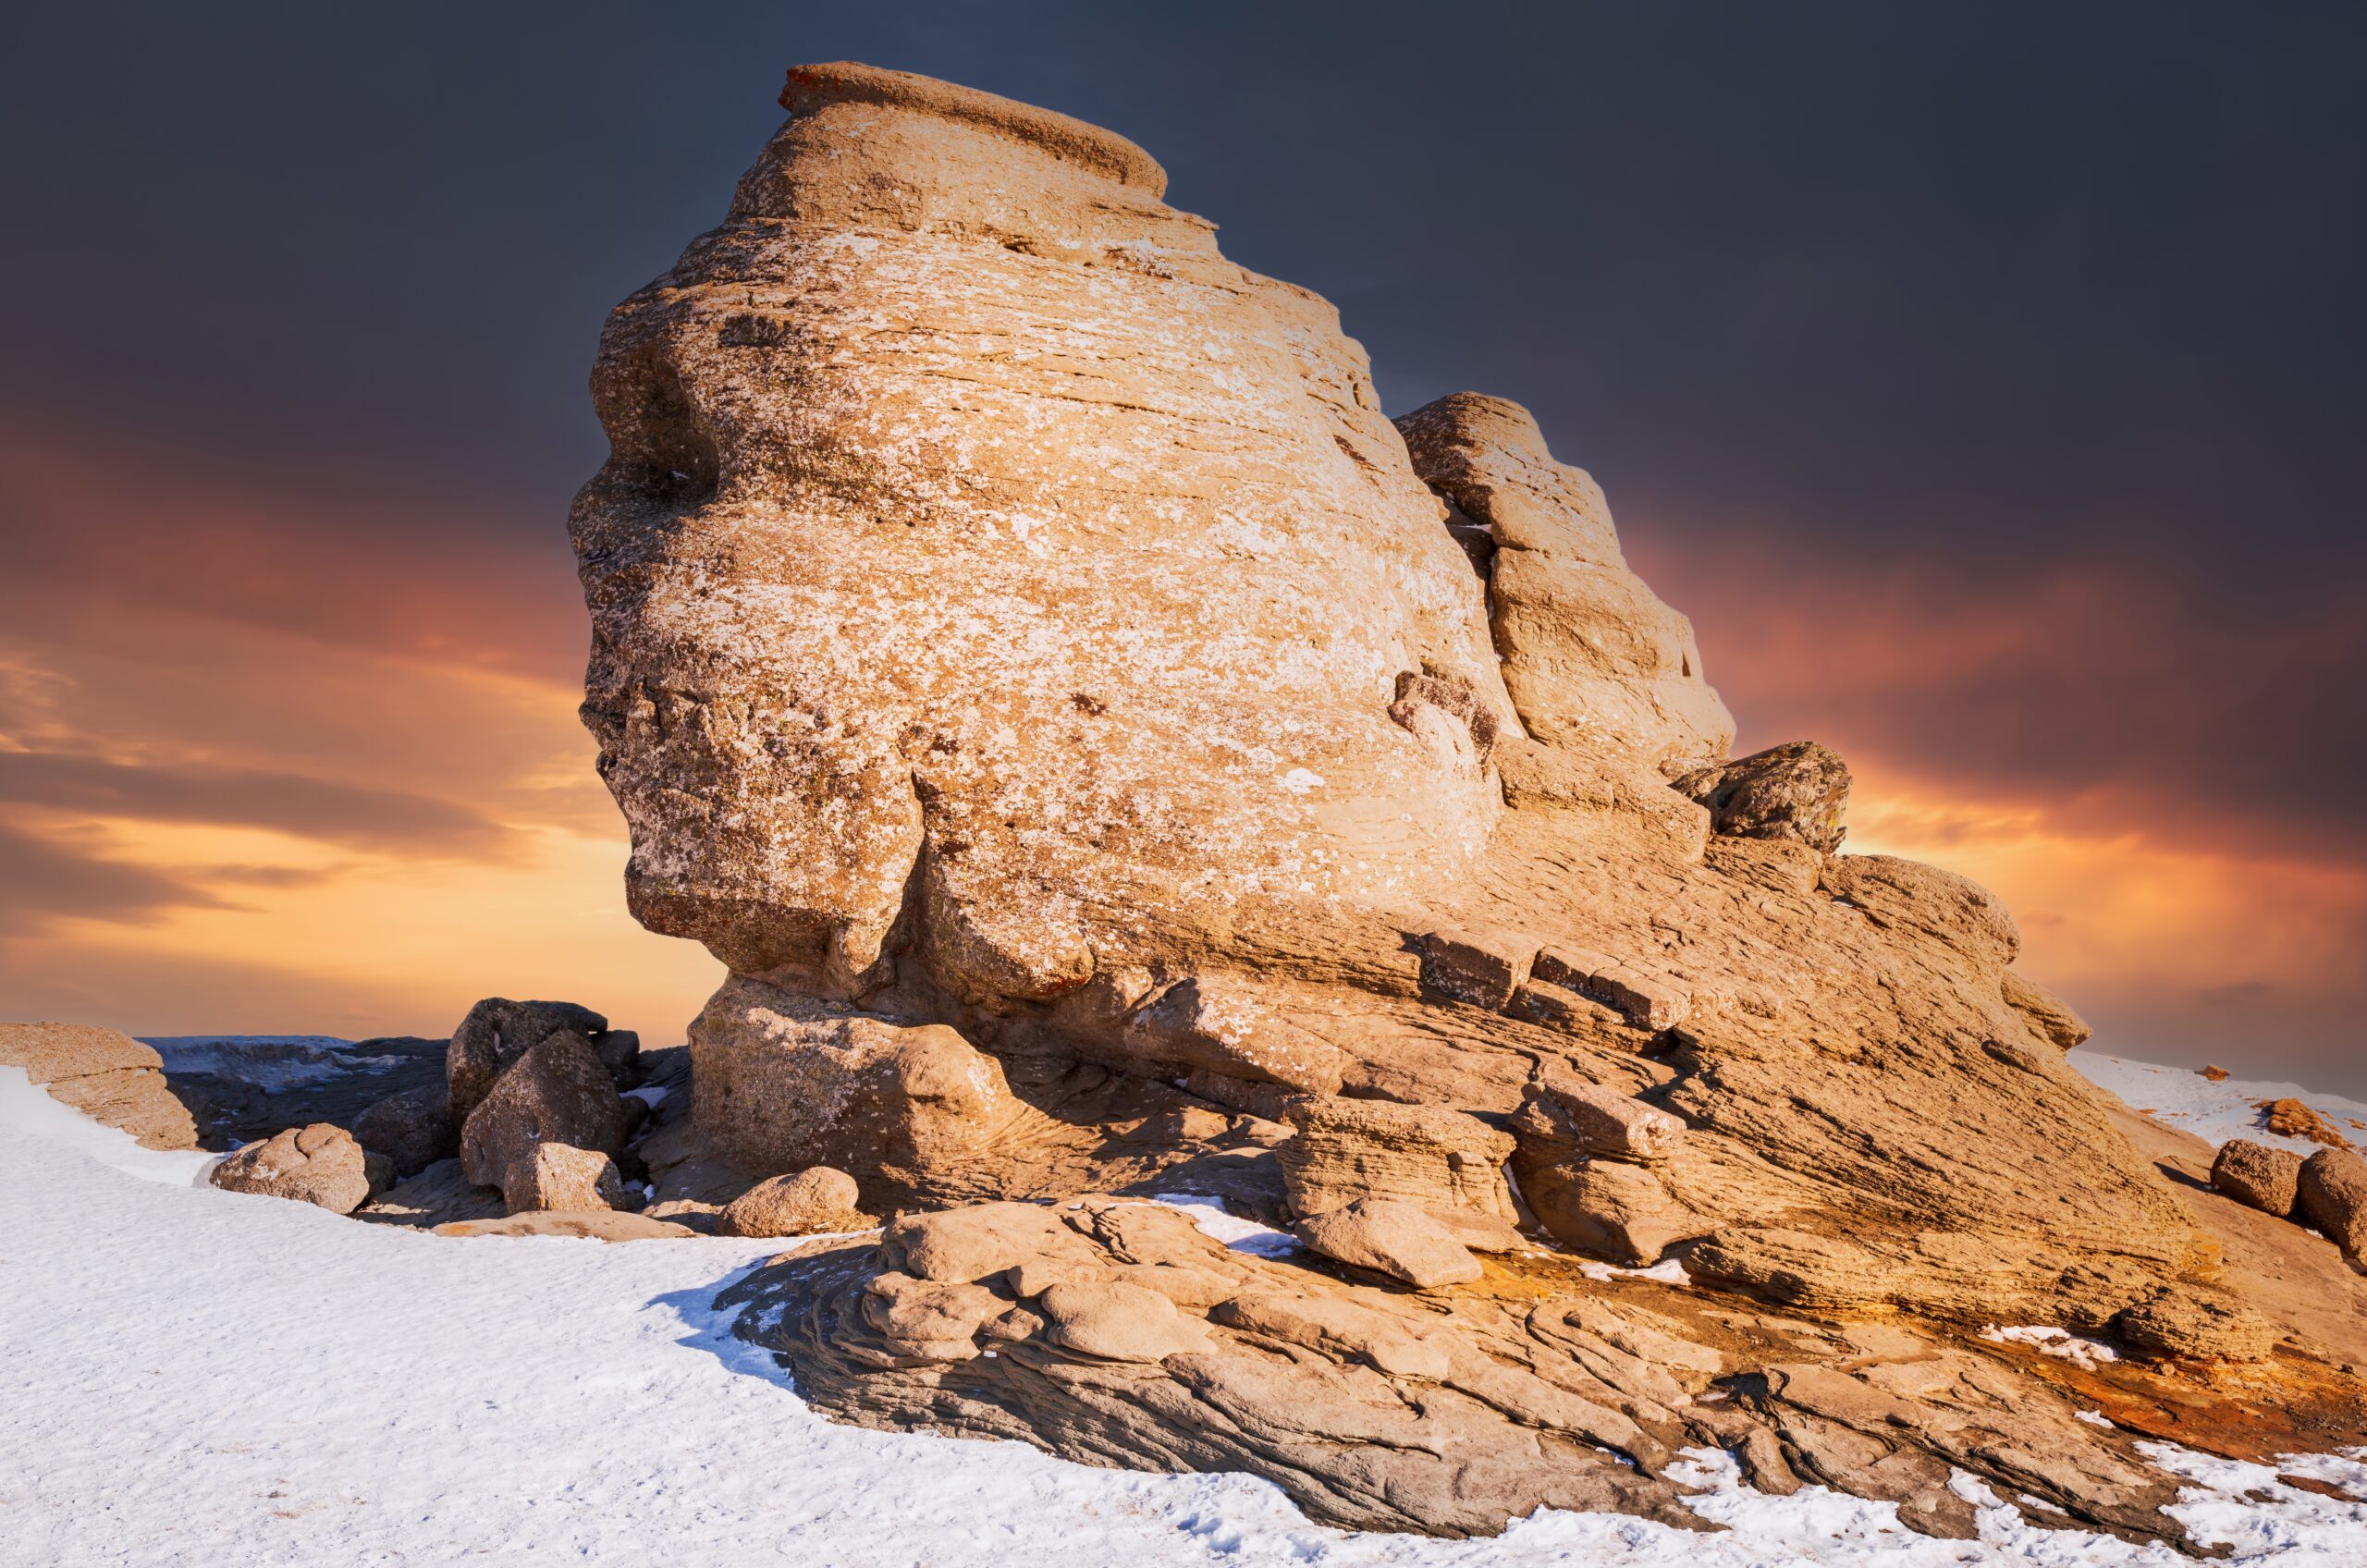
(844,81)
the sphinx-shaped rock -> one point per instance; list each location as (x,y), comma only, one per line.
(1077,601)
(1027,658)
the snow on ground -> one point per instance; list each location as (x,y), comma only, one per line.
(2181,1098)
(2053,1340)
(195,1377)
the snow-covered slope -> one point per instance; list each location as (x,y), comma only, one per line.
(194,1377)
(2181,1098)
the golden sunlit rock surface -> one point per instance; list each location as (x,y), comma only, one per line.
(1108,754)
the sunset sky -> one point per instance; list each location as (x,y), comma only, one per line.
(1986,382)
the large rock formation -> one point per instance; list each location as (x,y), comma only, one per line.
(107,1076)
(1024,653)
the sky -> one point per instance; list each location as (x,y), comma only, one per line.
(1985,381)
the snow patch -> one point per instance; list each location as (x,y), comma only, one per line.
(2056,1342)
(27,1112)
(1218,1223)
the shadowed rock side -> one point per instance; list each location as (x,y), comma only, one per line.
(1108,754)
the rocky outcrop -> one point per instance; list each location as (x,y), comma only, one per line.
(107,1076)
(2197,1322)
(1109,755)
(1592,659)
(1586,1160)
(1798,791)
(2048,1015)
(1111,1332)
(2290,1118)
(320,1164)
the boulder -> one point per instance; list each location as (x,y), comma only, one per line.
(1341,1150)
(1391,1237)
(320,1164)
(1798,791)
(557,1092)
(2266,1179)
(2049,1015)
(2331,1194)
(802,1204)
(785,1081)
(413,1128)
(109,1077)
(559,1177)
(495,1032)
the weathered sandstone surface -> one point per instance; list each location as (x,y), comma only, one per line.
(1111,757)
(107,1076)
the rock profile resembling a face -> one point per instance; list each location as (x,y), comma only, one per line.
(1028,658)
